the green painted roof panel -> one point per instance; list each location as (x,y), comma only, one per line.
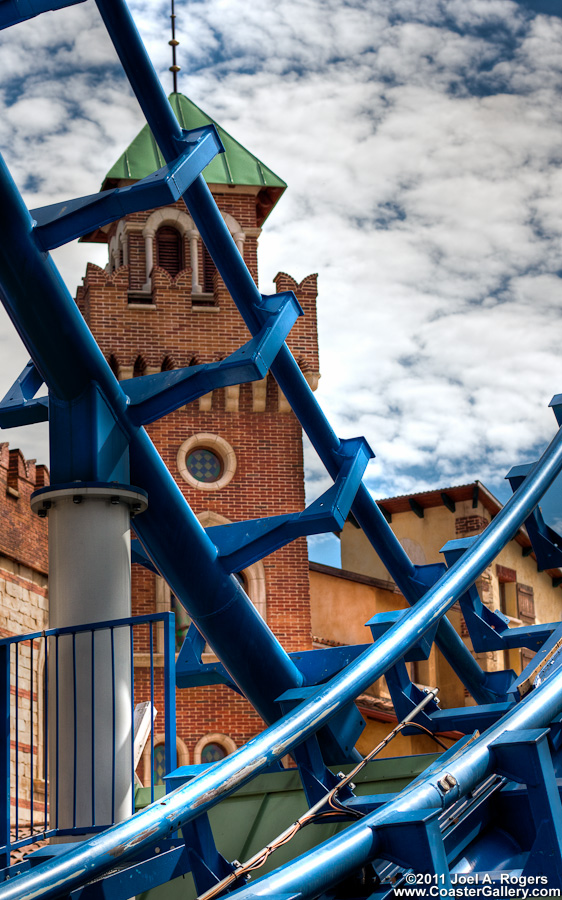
(243,823)
(235,166)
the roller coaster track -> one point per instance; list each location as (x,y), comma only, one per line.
(430,825)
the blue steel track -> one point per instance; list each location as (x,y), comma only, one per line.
(80,384)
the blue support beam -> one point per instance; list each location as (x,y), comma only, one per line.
(406,696)
(337,739)
(556,406)
(153,396)
(160,864)
(485,627)
(239,283)
(547,544)
(242,543)
(524,756)
(413,840)
(60,223)
(381,622)
(489,629)
(207,865)
(530,636)
(465,719)
(14,11)
(316,666)
(99,448)
(19,406)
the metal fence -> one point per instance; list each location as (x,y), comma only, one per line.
(55,686)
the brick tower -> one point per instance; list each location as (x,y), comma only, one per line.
(236,453)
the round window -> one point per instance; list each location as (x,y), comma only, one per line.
(204,465)
(206,461)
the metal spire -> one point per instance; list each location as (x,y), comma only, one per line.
(174,68)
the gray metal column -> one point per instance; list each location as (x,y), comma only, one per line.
(89,698)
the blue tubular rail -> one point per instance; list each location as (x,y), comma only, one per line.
(239,282)
(59,876)
(73,367)
(316,871)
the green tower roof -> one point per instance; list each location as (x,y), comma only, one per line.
(236,166)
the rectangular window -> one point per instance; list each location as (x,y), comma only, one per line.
(526,604)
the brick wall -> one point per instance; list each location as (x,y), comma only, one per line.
(254,420)
(23,610)
(20,539)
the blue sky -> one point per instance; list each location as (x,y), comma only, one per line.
(422,144)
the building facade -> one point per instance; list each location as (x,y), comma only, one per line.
(236,453)
(343,599)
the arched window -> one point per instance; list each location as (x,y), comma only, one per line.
(159,764)
(182,621)
(213,747)
(158,771)
(212,752)
(169,250)
(114,365)
(252,578)
(139,366)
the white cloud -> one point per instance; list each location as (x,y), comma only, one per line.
(421,145)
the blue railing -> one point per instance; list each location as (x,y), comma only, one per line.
(30,711)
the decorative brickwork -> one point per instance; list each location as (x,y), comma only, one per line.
(470,525)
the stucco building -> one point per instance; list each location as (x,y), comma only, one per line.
(342,600)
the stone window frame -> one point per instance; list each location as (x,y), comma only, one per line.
(253,574)
(180,220)
(216,444)
(215,737)
(118,248)
(159,741)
